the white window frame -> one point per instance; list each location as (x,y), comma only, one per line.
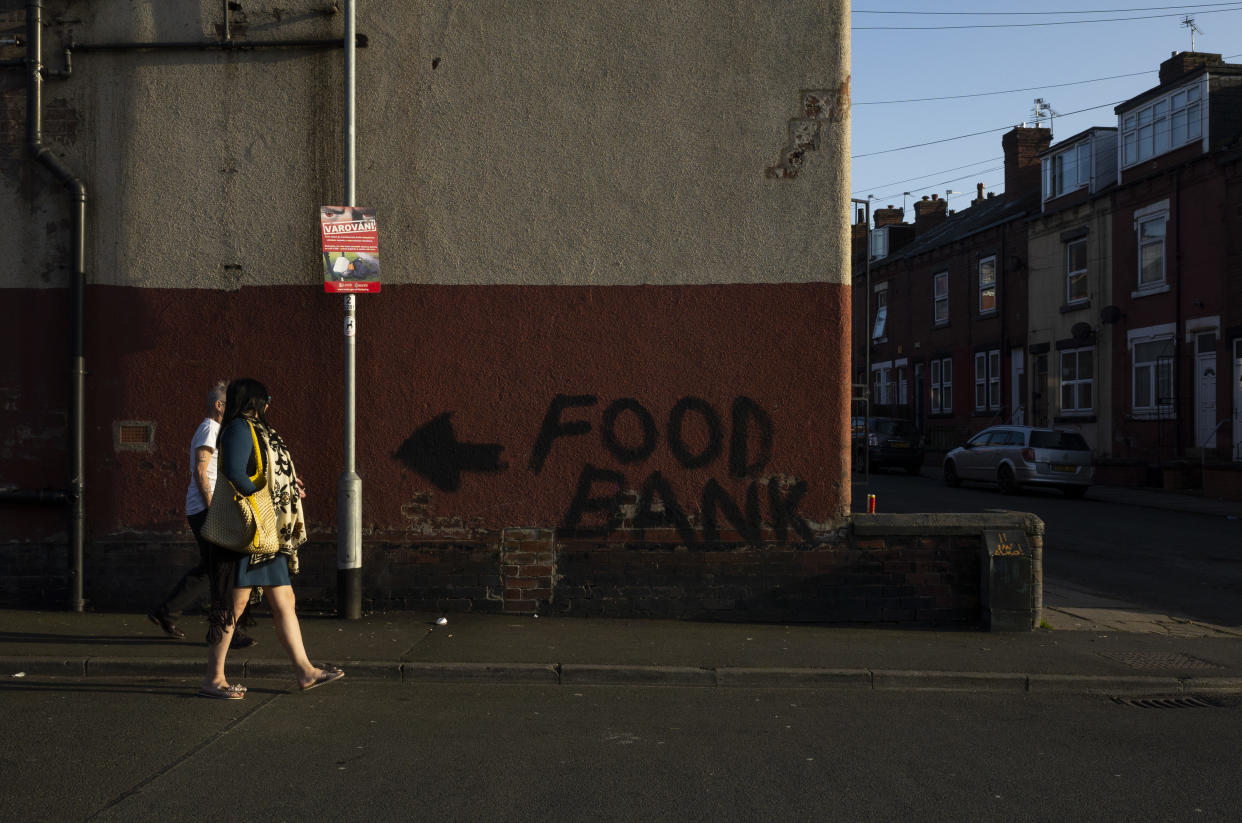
(994,380)
(1158,371)
(991,285)
(1077,384)
(987,380)
(981,381)
(1075,274)
(881,313)
(881,382)
(942,386)
(1067,170)
(879,243)
(1155,213)
(1168,122)
(940,298)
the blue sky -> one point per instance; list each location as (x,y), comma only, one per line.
(926,62)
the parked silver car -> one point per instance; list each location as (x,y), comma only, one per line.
(1016,456)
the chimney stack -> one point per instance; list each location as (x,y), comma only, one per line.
(979,197)
(929,212)
(889,217)
(1182,63)
(1022,146)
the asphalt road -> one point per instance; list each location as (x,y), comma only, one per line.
(1188,564)
(133,751)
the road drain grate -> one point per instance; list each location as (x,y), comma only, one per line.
(1159,660)
(1166,702)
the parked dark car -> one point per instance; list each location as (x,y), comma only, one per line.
(1016,456)
(891,442)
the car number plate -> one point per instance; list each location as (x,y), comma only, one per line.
(1062,467)
(899,444)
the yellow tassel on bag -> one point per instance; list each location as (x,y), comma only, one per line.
(266,538)
(245,523)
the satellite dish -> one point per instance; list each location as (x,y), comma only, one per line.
(1110,314)
(1081,331)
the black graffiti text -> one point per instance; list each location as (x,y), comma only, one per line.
(630,433)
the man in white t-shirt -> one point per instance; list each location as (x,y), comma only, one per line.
(193,586)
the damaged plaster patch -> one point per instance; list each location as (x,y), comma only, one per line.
(815,107)
(422,521)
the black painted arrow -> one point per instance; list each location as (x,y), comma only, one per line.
(433,452)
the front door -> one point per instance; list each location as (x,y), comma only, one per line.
(1039,393)
(1018,381)
(1205,390)
(1237,399)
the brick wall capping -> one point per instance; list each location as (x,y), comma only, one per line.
(968,523)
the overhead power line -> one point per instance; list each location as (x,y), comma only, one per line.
(1029,13)
(972,134)
(931,174)
(1028,25)
(969,95)
(977,176)
(1005,91)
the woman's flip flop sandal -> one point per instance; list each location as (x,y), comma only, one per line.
(327,675)
(234,692)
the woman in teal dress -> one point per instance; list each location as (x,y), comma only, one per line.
(254,459)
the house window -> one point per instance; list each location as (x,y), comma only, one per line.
(879,243)
(940,291)
(883,392)
(1077,381)
(942,386)
(987,380)
(1151,250)
(994,379)
(1067,170)
(1076,271)
(881,312)
(1166,123)
(1153,376)
(903,388)
(987,285)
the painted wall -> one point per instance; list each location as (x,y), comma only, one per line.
(1194,300)
(1052,318)
(613,245)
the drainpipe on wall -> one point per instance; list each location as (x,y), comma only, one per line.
(77,298)
(1002,301)
(1177,317)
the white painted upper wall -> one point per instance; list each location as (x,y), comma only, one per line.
(535,143)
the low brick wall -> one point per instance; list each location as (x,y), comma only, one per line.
(922,569)
(1223,482)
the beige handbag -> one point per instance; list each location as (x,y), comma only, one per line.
(244,523)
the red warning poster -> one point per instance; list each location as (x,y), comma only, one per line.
(350,249)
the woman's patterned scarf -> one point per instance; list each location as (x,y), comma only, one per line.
(286,502)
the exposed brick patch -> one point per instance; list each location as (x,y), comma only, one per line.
(527,560)
(815,107)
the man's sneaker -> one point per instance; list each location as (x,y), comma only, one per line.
(170,628)
(242,641)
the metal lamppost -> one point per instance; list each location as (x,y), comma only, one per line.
(349,487)
(866,341)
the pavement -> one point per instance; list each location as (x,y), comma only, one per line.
(1090,643)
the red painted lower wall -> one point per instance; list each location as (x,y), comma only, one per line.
(479,408)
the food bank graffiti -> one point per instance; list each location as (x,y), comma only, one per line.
(695,433)
(750,449)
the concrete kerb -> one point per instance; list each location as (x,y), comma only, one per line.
(621,675)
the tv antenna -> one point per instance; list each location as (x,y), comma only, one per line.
(1041,110)
(1189,23)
